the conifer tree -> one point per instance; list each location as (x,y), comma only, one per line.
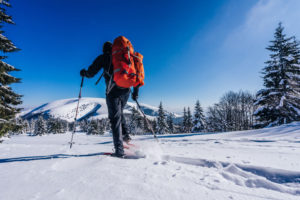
(136,122)
(56,125)
(189,120)
(170,123)
(184,121)
(8,98)
(84,125)
(279,102)
(40,126)
(93,128)
(154,125)
(101,127)
(199,118)
(162,125)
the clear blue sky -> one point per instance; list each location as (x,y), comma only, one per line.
(192,49)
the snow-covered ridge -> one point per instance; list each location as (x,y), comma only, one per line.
(89,108)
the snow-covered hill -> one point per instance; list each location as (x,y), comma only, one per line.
(90,108)
(256,164)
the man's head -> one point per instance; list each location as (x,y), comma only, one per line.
(107,47)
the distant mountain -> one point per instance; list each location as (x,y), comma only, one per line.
(89,108)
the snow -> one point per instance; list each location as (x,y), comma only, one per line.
(259,109)
(281,102)
(289,58)
(256,164)
(89,108)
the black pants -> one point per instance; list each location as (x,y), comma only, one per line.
(116,101)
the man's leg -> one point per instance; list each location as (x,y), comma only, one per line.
(125,132)
(115,116)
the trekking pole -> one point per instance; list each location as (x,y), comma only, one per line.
(75,119)
(147,121)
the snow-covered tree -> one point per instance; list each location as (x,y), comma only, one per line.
(233,112)
(154,125)
(170,123)
(8,98)
(84,125)
(189,120)
(199,118)
(279,102)
(101,127)
(93,128)
(136,122)
(40,126)
(184,121)
(26,126)
(56,125)
(162,125)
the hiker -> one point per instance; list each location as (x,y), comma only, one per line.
(116,96)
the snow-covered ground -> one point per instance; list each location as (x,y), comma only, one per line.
(258,164)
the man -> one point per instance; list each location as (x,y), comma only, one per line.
(116,97)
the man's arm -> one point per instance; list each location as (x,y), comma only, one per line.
(135,93)
(94,68)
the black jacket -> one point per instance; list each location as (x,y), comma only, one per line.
(102,61)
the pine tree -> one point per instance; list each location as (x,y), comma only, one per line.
(8,98)
(136,122)
(162,125)
(40,126)
(170,123)
(154,125)
(93,128)
(56,125)
(279,102)
(184,121)
(189,120)
(199,118)
(84,125)
(101,126)
(26,126)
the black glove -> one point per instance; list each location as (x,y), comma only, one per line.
(83,72)
(135,94)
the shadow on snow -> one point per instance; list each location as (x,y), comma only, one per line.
(47,157)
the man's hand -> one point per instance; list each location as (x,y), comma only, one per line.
(83,73)
(135,94)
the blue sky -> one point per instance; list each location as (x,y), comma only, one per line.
(192,49)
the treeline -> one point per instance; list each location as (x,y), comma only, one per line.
(50,125)
(233,112)
(42,126)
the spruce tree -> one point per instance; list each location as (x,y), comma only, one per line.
(199,118)
(189,120)
(8,98)
(135,123)
(40,126)
(170,123)
(279,102)
(93,128)
(184,121)
(162,125)
(101,127)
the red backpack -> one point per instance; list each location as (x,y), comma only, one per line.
(128,69)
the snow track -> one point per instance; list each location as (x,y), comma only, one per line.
(259,164)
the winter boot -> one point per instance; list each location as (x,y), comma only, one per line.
(126,138)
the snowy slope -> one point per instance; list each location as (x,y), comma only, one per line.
(89,108)
(258,164)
